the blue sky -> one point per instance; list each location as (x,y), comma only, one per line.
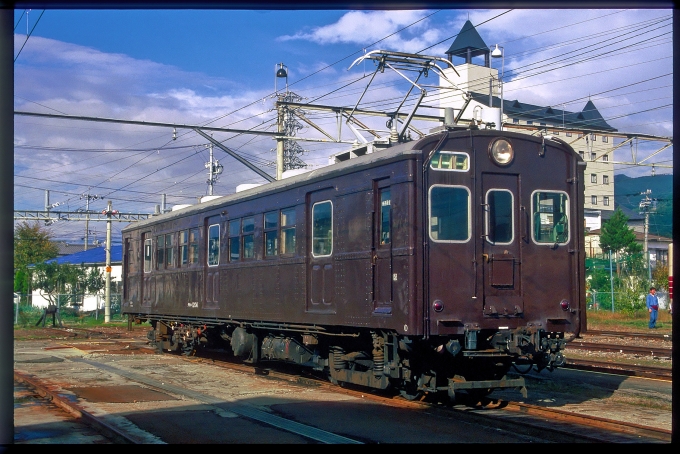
(217,67)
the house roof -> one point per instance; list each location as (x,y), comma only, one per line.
(94,256)
(587,119)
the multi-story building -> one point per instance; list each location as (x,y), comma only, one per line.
(586,131)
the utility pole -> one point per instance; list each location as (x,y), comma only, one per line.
(214,169)
(645,205)
(107,301)
(87,198)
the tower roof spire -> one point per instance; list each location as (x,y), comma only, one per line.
(468,44)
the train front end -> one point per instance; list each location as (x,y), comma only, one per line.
(504,254)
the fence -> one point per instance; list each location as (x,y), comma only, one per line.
(70,307)
(622,301)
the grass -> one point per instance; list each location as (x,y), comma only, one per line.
(628,322)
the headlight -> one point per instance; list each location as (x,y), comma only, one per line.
(501,152)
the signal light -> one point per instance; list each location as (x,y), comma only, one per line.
(564,304)
(438,306)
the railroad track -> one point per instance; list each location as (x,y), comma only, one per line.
(628,349)
(487,409)
(630,370)
(624,335)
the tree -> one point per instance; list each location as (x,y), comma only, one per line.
(55,279)
(32,244)
(618,238)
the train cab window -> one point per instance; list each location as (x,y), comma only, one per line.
(498,214)
(234,240)
(385,215)
(449,213)
(550,213)
(288,231)
(214,245)
(450,160)
(322,229)
(248,238)
(271,233)
(147,255)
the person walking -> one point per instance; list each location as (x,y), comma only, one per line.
(652,307)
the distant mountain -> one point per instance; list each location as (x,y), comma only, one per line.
(628,193)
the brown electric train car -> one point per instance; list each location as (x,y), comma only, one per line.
(433,266)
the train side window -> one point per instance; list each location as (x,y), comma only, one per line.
(499,216)
(385,216)
(322,229)
(550,214)
(288,231)
(234,240)
(169,250)
(183,247)
(450,160)
(214,245)
(449,213)
(271,233)
(147,255)
(248,238)
(193,246)
(160,252)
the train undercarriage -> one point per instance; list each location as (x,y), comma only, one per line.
(473,364)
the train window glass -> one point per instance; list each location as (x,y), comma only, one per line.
(271,233)
(449,160)
(322,230)
(385,214)
(499,216)
(214,245)
(160,251)
(193,246)
(169,250)
(288,231)
(248,238)
(147,255)
(550,212)
(234,240)
(449,213)
(183,247)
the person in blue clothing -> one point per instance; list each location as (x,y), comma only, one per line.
(652,307)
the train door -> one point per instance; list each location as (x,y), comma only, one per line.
(501,245)
(148,283)
(211,265)
(382,251)
(321,274)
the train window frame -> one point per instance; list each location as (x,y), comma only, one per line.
(437,161)
(148,255)
(160,252)
(248,238)
(430,217)
(213,246)
(183,244)
(288,225)
(385,230)
(194,240)
(169,250)
(234,241)
(270,224)
(487,217)
(329,237)
(547,216)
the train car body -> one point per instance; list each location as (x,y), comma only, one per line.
(430,266)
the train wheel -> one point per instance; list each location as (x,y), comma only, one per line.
(189,349)
(409,390)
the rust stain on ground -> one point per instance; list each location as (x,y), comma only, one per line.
(119,394)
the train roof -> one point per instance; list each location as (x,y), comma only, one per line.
(395,153)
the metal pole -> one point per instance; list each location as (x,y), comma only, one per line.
(87,221)
(611,278)
(279,143)
(107,303)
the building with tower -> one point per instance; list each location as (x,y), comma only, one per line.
(586,131)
